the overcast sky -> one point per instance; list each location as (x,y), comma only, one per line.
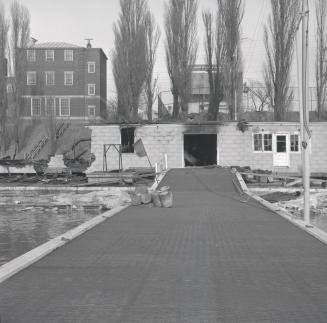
(74,20)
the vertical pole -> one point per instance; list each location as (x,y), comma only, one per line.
(235,81)
(305,117)
(103,157)
(235,103)
(155,176)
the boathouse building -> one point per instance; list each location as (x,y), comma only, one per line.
(271,146)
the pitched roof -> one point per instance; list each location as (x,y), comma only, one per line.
(55,45)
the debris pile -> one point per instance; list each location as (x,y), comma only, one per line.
(104,200)
(318,205)
(158,198)
(256,176)
(260,177)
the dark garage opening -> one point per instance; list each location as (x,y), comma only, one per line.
(200,149)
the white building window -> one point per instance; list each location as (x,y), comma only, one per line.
(91,110)
(49,55)
(91,89)
(69,55)
(65,107)
(31,57)
(294,142)
(267,142)
(69,78)
(50,106)
(91,67)
(262,142)
(257,142)
(50,78)
(31,78)
(36,107)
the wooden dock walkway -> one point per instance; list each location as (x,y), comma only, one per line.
(210,258)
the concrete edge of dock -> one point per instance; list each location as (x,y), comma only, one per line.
(312,230)
(64,188)
(27,259)
(14,266)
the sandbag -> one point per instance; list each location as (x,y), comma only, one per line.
(136,199)
(156,199)
(166,198)
(146,198)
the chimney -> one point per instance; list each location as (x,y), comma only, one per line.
(88,45)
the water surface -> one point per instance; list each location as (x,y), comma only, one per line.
(23,228)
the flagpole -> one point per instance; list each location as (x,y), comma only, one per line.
(304,116)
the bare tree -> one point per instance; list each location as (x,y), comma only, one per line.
(214,43)
(279,35)
(181,49)
(321,58)
(112,110)
(129,56)
(20,35)
(152,41)
(258,95)
(232,12)
(3,79)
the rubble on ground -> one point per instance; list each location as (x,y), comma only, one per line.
(318,205)
(261,177)
(106,200)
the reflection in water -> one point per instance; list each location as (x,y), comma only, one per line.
(24,228)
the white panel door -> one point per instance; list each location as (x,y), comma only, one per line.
(281,153)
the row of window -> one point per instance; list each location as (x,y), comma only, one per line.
(50,107)
(49,55)
(262,142)
(50,80)
(50,76)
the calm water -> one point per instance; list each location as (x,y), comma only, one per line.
(23,228)
(320,222)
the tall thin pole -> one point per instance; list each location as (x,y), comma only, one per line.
(304,115)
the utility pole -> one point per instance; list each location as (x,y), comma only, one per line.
(304,115)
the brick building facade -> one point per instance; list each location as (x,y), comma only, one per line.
(65,81)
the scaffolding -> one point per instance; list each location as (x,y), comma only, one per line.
(118,149)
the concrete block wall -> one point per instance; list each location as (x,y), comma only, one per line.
(234,147)
(319,147)
(158,140)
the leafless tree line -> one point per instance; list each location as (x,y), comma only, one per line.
(181,49)
(223,54)
(133,58)
(14,34)
(20,37)
(3,80)
(279,37)
(136,41)
(321,55)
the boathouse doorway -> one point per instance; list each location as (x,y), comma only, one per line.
(200,149)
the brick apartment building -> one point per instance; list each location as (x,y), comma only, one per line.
(65,81)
